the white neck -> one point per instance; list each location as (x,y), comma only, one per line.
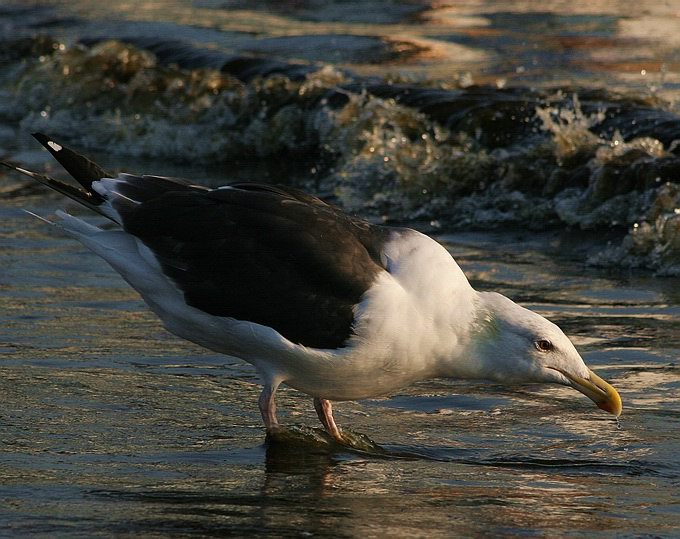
(426,292)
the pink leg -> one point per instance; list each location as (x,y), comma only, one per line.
(325,412)
(268,407)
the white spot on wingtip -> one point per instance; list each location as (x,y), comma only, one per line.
(54,146)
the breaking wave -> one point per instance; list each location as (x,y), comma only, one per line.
(448,157)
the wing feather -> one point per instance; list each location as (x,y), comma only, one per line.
(267,254)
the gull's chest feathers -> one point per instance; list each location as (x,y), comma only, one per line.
(410,322)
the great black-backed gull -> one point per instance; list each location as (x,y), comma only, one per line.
(329,304)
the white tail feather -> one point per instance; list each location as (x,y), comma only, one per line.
(74,224)
(43,219)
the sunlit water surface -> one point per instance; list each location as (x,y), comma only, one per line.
(111,426)
(613,43)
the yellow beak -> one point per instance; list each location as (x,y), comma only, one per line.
(597,390)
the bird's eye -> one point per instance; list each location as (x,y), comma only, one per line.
(544,345)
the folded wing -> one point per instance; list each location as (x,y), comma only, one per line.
(266,254)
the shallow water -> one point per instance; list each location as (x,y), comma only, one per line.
(112,427)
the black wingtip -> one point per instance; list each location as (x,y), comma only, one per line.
(80,167)
(52,146)
(48,142)
(40,137)
(85,198)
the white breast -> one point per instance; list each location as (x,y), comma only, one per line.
(412,319)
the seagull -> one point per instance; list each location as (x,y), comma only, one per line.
(324,302)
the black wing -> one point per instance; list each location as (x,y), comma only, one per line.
(267,254)
(85,172)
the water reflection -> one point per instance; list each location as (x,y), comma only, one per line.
(311,491)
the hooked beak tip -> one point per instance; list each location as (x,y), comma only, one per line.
(596,389)
(610,401)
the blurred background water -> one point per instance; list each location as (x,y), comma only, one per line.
(537,140)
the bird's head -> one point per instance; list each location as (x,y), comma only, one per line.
(513,344)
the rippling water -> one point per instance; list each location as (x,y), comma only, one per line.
(110,426)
